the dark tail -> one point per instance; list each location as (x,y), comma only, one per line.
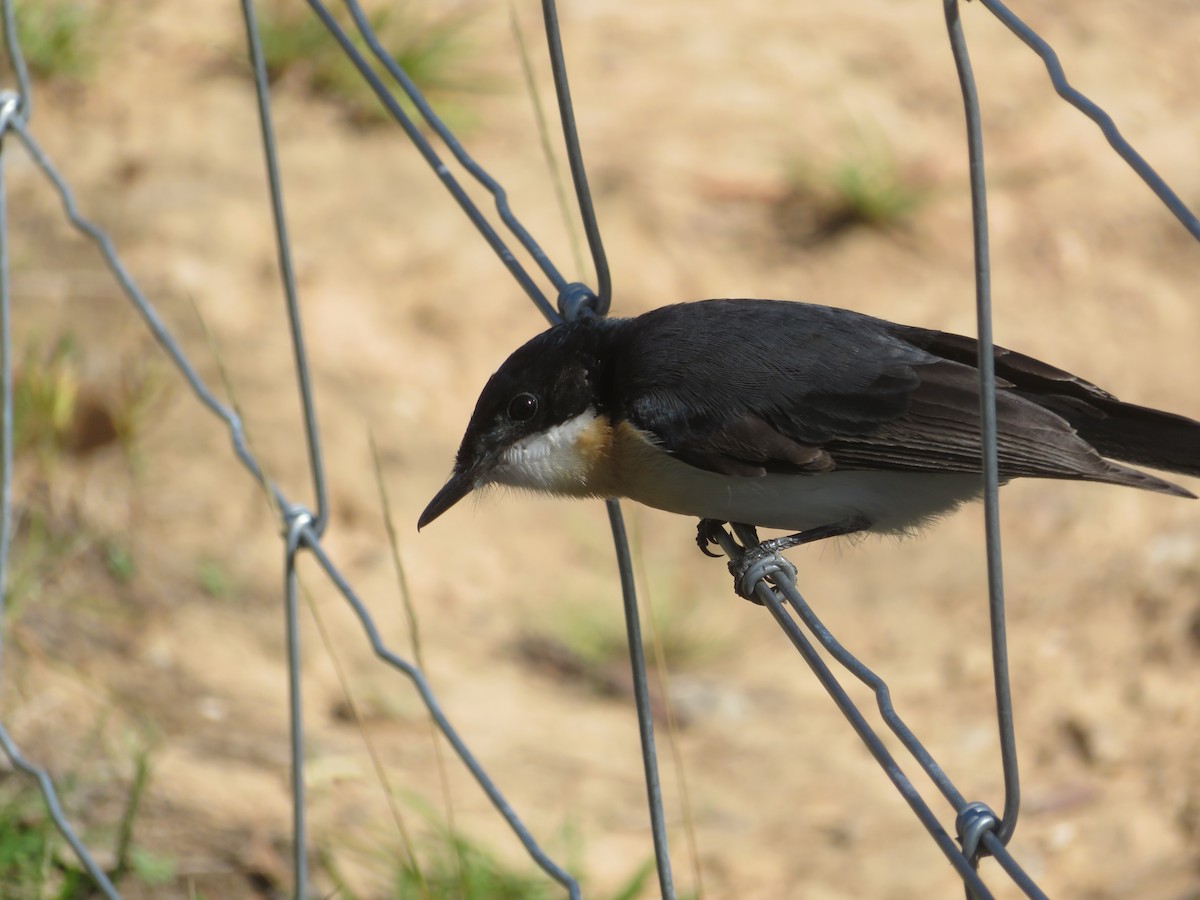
(1134,434)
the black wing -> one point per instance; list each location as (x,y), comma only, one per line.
(1124,431)
(744,387)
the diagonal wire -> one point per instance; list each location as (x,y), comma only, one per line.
(1089,108)
(782,575)
(305,530)
(987,405)
(453,144)
(10,109)
(784,581)
(946,844)
(418,679)
(426,150)
(237,433)
(56,814)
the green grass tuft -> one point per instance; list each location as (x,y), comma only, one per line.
(595,634)
(866,189)
(458,868)
(58,411)
(432,49)
(58,37)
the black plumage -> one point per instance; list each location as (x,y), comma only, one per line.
(818,389)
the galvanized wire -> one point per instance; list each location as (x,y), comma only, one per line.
(303,531)
(978,829)
(10,104)
(641,696)
(16,59)
(15,107)
(583,194)
(574,299)
(50,797)
(1093,111)
(772,580)
(987,414)
(286,272)
(425,148)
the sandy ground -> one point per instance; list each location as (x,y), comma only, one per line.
(690,120)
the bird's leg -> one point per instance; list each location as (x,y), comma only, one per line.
(787,542)
(754,553)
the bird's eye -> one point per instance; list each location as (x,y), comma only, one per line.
(523,407)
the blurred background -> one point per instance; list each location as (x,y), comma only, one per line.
(805,151)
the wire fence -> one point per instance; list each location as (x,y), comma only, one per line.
(978,830)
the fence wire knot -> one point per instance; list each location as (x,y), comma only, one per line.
(296,519)
(765,568)
(577,301)
(973,822)
(10,105)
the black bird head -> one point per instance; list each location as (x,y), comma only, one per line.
(530,426)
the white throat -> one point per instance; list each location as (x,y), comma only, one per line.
(559,460)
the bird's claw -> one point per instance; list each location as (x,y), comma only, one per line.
(706,536)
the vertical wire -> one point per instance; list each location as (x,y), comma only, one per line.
(569,302)
(543,130)
(583,193)
(300,520)
(283,249)
(641,697)
(9,105)
(987,402)
(17,59)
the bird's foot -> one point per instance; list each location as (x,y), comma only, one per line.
(752,560)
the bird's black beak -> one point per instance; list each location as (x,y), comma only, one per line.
(459,485)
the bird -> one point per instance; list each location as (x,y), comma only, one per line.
(788,415)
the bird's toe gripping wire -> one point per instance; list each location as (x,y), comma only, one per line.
(750,560)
